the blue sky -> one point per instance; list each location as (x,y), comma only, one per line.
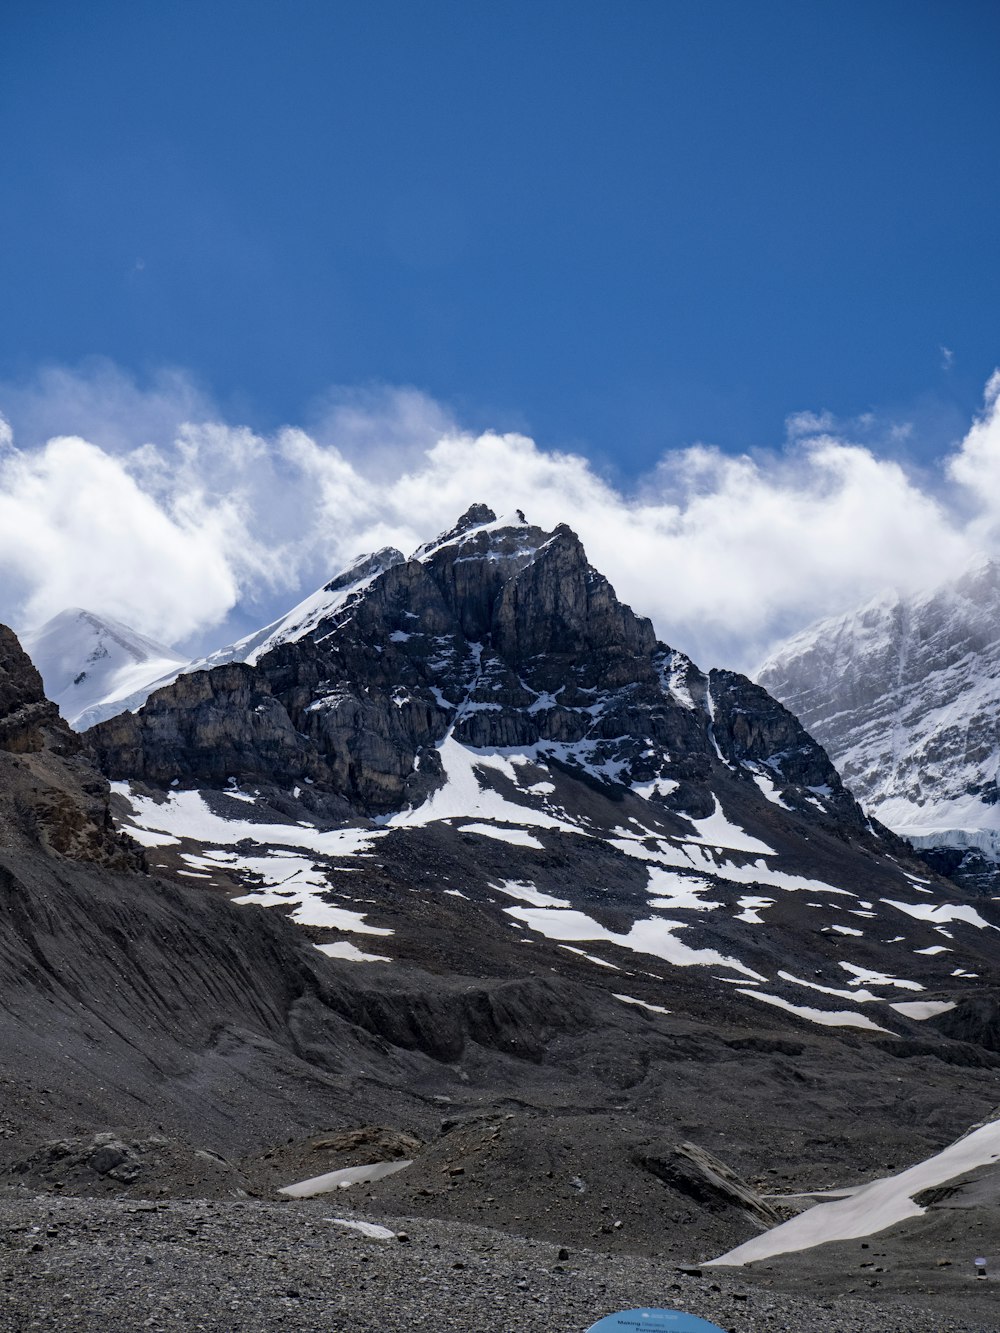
(717,282)
(621,227)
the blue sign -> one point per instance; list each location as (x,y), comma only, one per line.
(653,1321)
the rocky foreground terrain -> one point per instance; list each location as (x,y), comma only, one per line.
(471,874)
(221,1267)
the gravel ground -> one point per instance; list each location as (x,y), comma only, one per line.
(249,1267)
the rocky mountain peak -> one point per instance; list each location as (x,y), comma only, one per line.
(474,517)
(472,563)
(497,635)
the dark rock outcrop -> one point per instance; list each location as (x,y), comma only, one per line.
(50,795)
(503,635)
(975,1019)
(25,713)
(699,1174)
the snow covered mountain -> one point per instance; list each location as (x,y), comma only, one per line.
(91,664)
(905,695)
(480,751)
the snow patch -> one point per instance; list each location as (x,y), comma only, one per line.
(653,1008)
(527,893)
(939,913)
(718,831)
(882,1203)
(654,937)
(462,796)
(340,1180)
(518,837)
(370,1229)
(827,1018)
(921,1009)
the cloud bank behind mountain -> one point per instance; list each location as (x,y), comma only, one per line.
(144,503)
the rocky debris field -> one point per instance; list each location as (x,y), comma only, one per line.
(85,1264)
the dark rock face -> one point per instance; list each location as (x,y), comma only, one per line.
(228,718)
(503,635)
(557,604)
(975,1020)
(50,796)
(24,709)
(974,871)
(751,726)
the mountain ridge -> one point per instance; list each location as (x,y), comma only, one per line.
(490,708)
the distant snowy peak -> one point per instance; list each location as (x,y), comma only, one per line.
(86,659)
(905,695)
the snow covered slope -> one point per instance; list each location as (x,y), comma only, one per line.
(89,661)
(868,1209)
(905,696)
(304,617)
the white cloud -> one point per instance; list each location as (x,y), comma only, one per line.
(170,519)
(801,424)
(975,467)
(77,530)
(103,404)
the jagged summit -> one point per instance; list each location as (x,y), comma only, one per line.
(479,522)
(476,516)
